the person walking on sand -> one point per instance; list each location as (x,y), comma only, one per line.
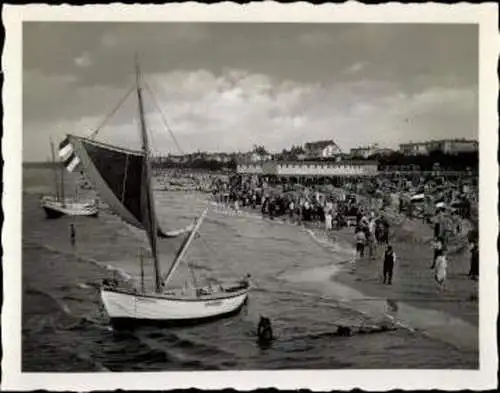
(389,261)
(440,269)
(371,237)
(360,242)
(474,261)
(438,246)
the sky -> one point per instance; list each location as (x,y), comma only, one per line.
(229,86)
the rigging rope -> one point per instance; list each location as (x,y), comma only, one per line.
(212,250)
(106,119)
(124,183)
(164,119)
(206,244)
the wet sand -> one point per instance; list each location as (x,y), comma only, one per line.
(413,301)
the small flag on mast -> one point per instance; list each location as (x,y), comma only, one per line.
(67,154)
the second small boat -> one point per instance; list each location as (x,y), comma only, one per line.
(58,205)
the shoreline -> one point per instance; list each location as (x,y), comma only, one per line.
(44,318)
(413,301)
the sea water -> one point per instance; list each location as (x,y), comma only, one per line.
(66,329)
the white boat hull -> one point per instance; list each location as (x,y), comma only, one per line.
(124,305)
(55,208)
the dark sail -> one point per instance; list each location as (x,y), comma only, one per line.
(117,175)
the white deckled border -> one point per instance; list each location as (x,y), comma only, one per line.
(484,14)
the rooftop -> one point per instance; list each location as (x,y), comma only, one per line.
(438,141)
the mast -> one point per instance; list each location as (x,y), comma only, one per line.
(147,202)
(61,169)
(56,178)
(142,272)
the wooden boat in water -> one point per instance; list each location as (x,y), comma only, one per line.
(55,207)
(193,304)
(122,177)
(59,205)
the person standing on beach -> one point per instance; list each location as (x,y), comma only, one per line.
(385,231)
(389,261)
(371,236)
(438,250)
(328,221)
(474,261)
(440,269)
(291,209)
(379,231)
(72,235)
(360,242)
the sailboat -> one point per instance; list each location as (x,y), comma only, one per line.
(122,178)
(59,205)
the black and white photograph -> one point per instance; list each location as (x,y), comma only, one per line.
(250,195)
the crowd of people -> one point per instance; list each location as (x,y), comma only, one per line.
(370,207)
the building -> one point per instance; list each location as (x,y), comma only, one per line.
(384,151)
(364,152)
(178,159)
(323,149)
(254,157)
(456,146)
(448,146)
(419,148)
(309,168)
(219,157)
(249,168)
(368,151)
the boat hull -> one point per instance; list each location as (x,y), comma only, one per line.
(125,308)
(55,209)
(52,213)
(130,323)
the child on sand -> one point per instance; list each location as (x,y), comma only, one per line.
(441,265)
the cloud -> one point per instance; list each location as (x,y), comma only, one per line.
(228,86)
(355,68)
(211,112)
(83,60)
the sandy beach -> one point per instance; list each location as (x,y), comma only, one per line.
(413,301)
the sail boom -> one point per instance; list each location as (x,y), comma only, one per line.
(182,251)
